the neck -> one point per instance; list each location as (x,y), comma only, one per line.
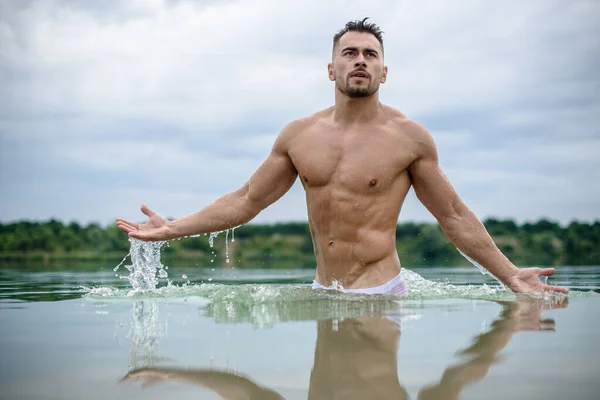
(350,110)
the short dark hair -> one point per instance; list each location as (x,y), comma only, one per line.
(360,26)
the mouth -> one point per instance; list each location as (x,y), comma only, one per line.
(360,74)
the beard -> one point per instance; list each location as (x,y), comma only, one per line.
(356,92)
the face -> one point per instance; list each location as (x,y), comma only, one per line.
(357,66)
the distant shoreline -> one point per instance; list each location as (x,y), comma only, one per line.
(287,245)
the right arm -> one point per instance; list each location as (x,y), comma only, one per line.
(269,183)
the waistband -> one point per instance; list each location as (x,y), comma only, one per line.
(381,289)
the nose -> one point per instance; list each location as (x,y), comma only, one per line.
(360,63)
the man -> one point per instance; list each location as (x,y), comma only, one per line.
(356,160)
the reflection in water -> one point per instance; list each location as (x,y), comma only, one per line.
(145,332)
(226,384)
(263,314)
(356,358)
(518,316)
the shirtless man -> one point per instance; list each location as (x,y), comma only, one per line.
(357,161)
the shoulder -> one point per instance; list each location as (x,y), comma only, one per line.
(298,126)
(413,132)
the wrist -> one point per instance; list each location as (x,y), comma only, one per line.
(173,230)
(509,273)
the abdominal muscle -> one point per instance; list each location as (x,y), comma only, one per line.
(343,263)
(354,241)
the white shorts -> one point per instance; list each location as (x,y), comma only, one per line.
(395,287)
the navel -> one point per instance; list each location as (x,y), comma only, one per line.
(331,243)
(373,182)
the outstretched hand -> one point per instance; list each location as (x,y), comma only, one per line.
(155,229)
(527,280)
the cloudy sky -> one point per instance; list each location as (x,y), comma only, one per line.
(108,104)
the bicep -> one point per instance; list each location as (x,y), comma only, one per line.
(272,179)
(434,190)
(431,185)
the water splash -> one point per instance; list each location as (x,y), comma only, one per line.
(543,279)
(122,261)
(481,268)
(146,268)
(213,236)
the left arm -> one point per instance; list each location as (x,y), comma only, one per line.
(460,224)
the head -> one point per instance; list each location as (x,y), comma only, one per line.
(357,60)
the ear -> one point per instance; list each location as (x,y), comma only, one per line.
(330,72)
(384,75)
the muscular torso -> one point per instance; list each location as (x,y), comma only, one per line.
(356,179)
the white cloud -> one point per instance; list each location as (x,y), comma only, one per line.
(188,97)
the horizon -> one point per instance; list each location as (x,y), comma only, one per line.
(519,224)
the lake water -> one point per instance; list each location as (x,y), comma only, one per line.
(264,334)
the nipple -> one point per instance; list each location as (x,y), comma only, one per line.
(304,178)
(373,182)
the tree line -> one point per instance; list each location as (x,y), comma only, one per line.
(543,242)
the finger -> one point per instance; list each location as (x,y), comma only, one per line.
(129,224)
(137,235)
(124,221)
(133,375)
(556,289)
(546,271)
(561,303)
(126,228)
(147,211)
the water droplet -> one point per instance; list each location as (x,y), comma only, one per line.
(184,276)
(211,238)
(210,279)
(227,245)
